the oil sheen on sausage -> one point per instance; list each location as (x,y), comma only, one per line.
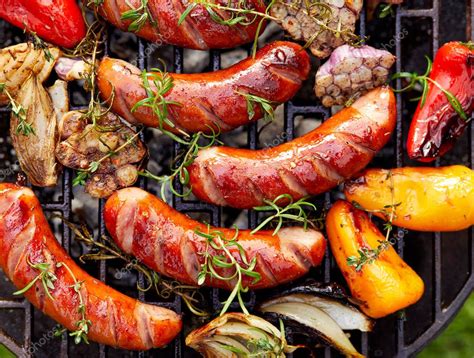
(212,99)
(117,320)
(309,165)
(166,241)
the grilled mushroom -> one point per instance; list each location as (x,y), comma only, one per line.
(325,24)
(107,154)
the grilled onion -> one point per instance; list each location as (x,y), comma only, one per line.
(239,335)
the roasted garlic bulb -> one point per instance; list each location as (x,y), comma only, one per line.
(107,154)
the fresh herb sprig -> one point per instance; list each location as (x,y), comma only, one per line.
(138,16)
(83,325)
(218,255)
(23,127)
(294,210)
(45,275)
(157,102)
(386,10)
(265,105)
(83,175)
(184,159)
(39,44)
(366,255)
(424,80)
(106,249)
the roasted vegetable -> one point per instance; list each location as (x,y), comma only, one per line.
(331,299)
(351,72)
(447,102)
(323,25)
(309,320)
(107,154)
(19,62)
(385,284)
(428,199)
(59,22)
(239,335)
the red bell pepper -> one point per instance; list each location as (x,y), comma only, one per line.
(57,21)
(446,108)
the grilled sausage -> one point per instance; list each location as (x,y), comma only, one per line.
(198,31)
(116,320)
(211,99)
(166,241)
(309,165)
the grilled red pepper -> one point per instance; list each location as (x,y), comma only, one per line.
(59,22)
(448,105)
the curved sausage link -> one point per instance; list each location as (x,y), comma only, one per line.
(117,320)
(165,240)
(198,31)
(309,165)
(212,99)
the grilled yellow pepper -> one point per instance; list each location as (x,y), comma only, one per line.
(426,199)
(384,284)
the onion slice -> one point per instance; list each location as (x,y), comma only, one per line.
(310,320)
(239,335)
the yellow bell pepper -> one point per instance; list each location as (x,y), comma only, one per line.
(385,284)
(426,199)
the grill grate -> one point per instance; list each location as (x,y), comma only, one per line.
(445,263)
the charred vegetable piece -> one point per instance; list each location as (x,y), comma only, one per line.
(385,284)
(239,335)
(59,22)
(447,103)
(346,315)
(429,199)
(107,154)
(323,25)
(19,62)
(351,72)
(310,320)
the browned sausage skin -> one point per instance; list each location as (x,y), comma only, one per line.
(116,320)
(309,165)
(165,240)
(198,31)
(210,99)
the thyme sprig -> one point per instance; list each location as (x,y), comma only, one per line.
(184,159)
(23,127)
(294,211)
(218,255)
(367,255)
(265,105)
(424,81)
(138,16)
(39,44)
(157,102)
(83,175)
(105,249)
(45,275)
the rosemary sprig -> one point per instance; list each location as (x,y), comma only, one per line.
(83,175)
(424,81)
(218,256)
(185,159)
(386,10)
(139,16)
(106,249)
(294,211)
(19,112)
(265,105)
(366,255)
(83,325)
(157,102)
(46,276)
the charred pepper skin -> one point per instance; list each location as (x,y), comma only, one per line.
(59,22)
(436,126)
